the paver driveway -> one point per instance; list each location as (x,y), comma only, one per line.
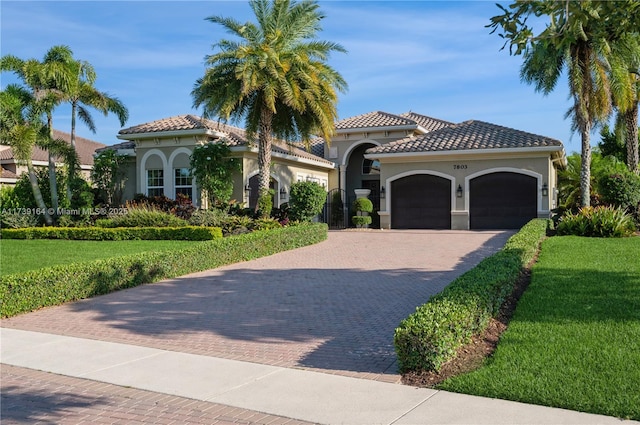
(332,307)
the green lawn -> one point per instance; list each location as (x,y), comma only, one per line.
(574,341)
(18,256)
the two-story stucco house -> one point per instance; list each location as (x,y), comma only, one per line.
(420,172)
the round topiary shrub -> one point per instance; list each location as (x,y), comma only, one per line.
(306,200)
(361,220)
(363,205)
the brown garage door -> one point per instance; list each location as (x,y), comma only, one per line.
(502,201)
(421,201)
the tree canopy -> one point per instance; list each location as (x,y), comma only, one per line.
(274,77)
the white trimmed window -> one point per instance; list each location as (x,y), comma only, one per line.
(183,182)
(155,182)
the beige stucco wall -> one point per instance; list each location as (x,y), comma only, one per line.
(170,153)
(461,169)
(283,171)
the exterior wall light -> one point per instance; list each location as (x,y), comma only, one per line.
(545,190)
(459,191)
(247,188)
(382,192)
(283,194)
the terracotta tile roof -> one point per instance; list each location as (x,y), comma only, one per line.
(180,122)
(469,135)
(124,145)
(235,135)
(84,147)
(316,147)
(428,123)
(374,119)
(6,174)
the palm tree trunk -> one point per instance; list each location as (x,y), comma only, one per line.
(264,150)
(630,118)
(585,167)
(71,172)
(53,184)
(37,194)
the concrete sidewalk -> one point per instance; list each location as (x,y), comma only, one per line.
(292,393)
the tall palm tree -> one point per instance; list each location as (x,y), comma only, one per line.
(578,39)
(47,80)
(20,128)
(275,77)
(625,73)
(81,95)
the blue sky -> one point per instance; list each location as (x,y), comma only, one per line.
(434,58)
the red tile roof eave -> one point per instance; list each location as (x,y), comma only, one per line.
(309,159)
(497,150)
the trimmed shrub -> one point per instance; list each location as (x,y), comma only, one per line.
(363,205)
(188,233)
(620,190)
(361,220)
(55,285)
(265,204)
(601,221)
(433,334)
(306,200)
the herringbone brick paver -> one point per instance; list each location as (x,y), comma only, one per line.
(34,397)
(330,307)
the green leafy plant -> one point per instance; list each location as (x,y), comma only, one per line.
(621,190)
(306,200)
(601,221)
(361,220)
(189,233)
(265,204)
(213,168)
(109,176)
(210,217)
(431,336)
(337,209)
(363,205)
(142,216)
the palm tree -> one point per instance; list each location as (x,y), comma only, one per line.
(20,127)
(274,78)
(625,73)
(81,93)
(578,39)
(47,80)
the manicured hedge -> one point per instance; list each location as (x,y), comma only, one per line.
(189,233)
(55,285)
(431,336)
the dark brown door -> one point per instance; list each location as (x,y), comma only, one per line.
(502,201)
(421,201)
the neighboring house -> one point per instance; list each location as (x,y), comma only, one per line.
(420,172)
(12,170)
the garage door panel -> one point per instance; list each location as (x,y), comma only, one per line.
(421,202)
(502,200)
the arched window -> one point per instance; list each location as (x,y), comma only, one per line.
(370,167)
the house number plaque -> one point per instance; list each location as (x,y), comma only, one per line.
(459,166)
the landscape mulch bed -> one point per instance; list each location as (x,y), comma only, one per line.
(472,355)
